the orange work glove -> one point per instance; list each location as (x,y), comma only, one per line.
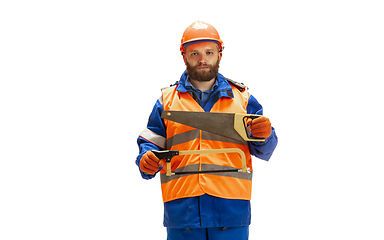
(149,163)
(260,127)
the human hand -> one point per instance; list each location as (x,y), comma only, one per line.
(260,127)
(150,164)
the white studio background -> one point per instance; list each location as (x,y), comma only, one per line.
(78,80)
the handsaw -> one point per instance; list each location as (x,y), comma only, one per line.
(231,125)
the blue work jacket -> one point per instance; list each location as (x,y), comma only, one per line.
(205,211)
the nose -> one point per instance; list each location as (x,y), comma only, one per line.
(203,59)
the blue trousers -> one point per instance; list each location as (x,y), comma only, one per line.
(231,233)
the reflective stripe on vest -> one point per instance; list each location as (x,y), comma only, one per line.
(195,133)
(230,185)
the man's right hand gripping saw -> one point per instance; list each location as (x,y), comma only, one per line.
(150,164)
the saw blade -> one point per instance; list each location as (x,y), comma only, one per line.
(217,123)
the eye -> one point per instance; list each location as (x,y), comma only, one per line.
(193,54)
(209,53)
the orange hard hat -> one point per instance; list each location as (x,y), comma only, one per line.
(200,31)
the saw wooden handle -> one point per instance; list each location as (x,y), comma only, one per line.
(241,127)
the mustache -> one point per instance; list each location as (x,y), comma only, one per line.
(204,65)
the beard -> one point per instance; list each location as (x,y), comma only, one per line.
(203,76)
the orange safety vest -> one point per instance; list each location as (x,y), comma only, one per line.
(229,185)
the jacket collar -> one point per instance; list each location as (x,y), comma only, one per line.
(223,89)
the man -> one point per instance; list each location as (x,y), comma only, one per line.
(210,205)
